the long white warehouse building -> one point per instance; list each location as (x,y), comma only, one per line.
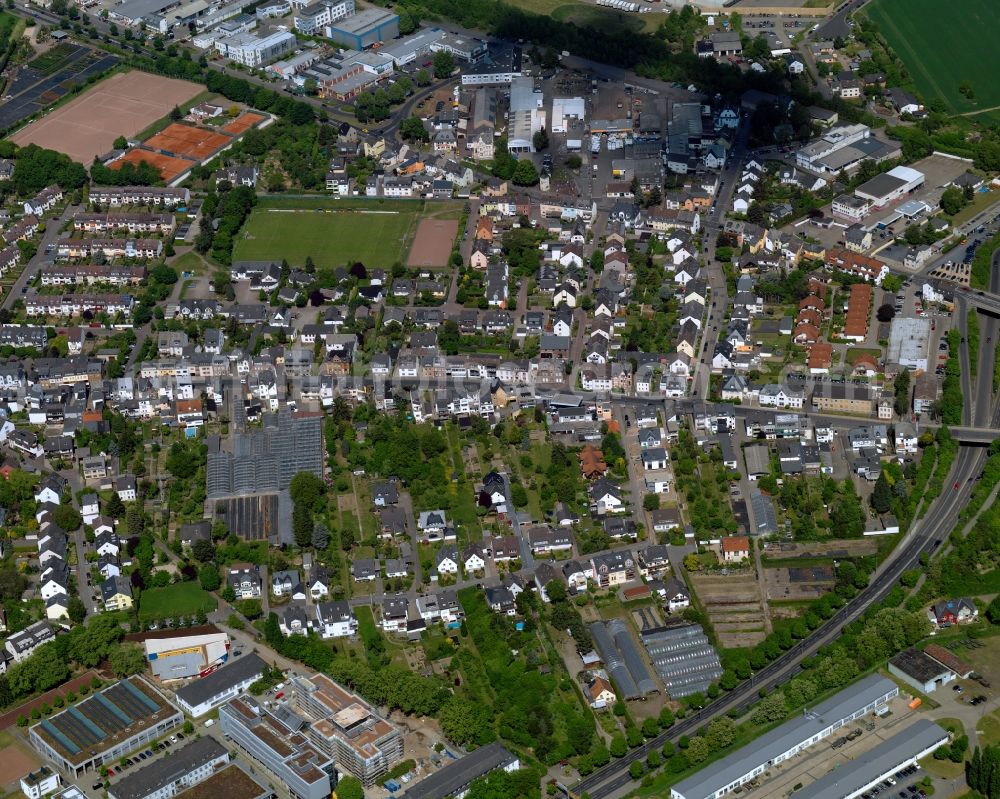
(783,742)
(852,778)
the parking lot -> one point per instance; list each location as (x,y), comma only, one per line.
(138,759)
(818,760)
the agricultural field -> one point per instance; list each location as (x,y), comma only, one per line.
(942,50)
(334,232)
(180,599)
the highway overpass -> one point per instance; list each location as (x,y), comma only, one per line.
(974,435)
(981,300)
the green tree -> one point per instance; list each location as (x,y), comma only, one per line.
(203,550)
(651,502)
(901,403)
(698,750)
(618,746)
(250,608)
(525,173)
(443,63)
(882,494)
(952,200)
(422,78)
(770,709)
(209,578)
(721,733)
(302,524)
(464,722)
(412,129)
(350,788)
(127,659)
(320,536)
(76,610)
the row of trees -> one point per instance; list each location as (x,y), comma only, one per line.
(231,210)
(982,772)
(84,646)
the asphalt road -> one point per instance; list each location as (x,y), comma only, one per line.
(925,536)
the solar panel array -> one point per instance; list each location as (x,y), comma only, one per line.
(101,716)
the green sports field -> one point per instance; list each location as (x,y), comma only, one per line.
(944,44)
(334,233)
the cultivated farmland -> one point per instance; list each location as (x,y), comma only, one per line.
(944,45)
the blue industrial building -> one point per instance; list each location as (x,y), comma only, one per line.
(365,29)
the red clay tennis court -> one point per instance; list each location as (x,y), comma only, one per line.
(193,142)
(169,167)
(244,123)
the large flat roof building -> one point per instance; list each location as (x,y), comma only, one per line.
(167,776)
(890,186)
(346,727)
(366,28)
(275,738)
(909,342)
(231,782)
(173,655)
(495,67)
(856,776)
(781,743)
(526,115)
(456,777)
(255,51)
(201,696)
(105,727)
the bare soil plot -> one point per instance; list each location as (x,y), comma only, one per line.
(733,604)
(123,105)
(433,242)
(15,762)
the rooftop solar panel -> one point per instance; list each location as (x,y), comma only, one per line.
(62,739)
(151,706)
(117,711)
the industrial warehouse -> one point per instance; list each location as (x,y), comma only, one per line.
(726,775)
(879,763)
(173,656)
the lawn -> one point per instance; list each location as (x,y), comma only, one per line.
(376,234)
(180,599)
(942,48)
(988,729)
